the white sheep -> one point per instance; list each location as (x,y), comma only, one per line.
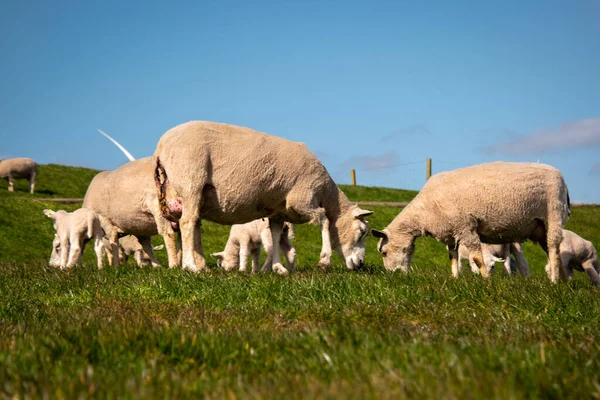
(18,168)
(246,239)
(493,253)
(530,201)
(73,230)
(578,254)
(126,202)
(233,175)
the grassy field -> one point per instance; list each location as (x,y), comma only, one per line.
(161,333)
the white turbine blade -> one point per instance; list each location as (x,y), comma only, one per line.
(127,154)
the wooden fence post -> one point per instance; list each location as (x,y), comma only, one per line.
(353,174)
(428,168)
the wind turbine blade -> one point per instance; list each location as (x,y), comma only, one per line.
(127,154)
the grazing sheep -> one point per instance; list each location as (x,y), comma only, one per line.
(129,246)
(578,254)
(73,230)
(232,175)
(530,201)
(493,253)
(18,168)
(125,200)
(246,239)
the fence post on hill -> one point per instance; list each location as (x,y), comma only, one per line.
(428,169)
(353,175)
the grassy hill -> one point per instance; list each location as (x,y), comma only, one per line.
(156,333)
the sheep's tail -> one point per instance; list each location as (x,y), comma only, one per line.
(161,180)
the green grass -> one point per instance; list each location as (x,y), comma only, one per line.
(161,333)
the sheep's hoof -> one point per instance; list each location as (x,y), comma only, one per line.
(322,266)
(280,269)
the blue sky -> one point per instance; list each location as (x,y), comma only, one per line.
(378,86)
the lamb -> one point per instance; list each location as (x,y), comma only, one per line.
(232,175)
(129,246)
(73,230)
(126,203)
(578,254)
(493,253)
(530,201)
(246,239)
(18,168)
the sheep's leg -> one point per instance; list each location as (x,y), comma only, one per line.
(255,259)
(11,184)
(522,264)
(98,248)
(191,238)
(32,182)
(325,256)
(473,245)
(267,241)
(146,243)
(244,253)
(75,251)
(588,267)
(455,262)
(170,238)
(276,231)
(289,252)
(553,239)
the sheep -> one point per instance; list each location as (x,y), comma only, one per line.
(578,254)
(126,203)
(129,246)
(232,175)
(246,239)
(73,230)
(530,201)
(18,168)
(493,253)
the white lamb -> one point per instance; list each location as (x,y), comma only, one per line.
(232,175)
(578,254)
(246,239)
(129,246)
(73,230)
(493,253)
(18,168)
(530,201)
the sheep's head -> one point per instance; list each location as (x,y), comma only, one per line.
(349,236)
(225,261)
(397,250)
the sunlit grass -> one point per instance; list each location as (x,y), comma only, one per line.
(167,333)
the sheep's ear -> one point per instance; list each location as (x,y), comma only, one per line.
(49,213)
(378,234)
(360,213)
(219,255)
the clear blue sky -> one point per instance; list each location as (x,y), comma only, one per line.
(378,86)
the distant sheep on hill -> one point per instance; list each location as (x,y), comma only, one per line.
(18,168)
